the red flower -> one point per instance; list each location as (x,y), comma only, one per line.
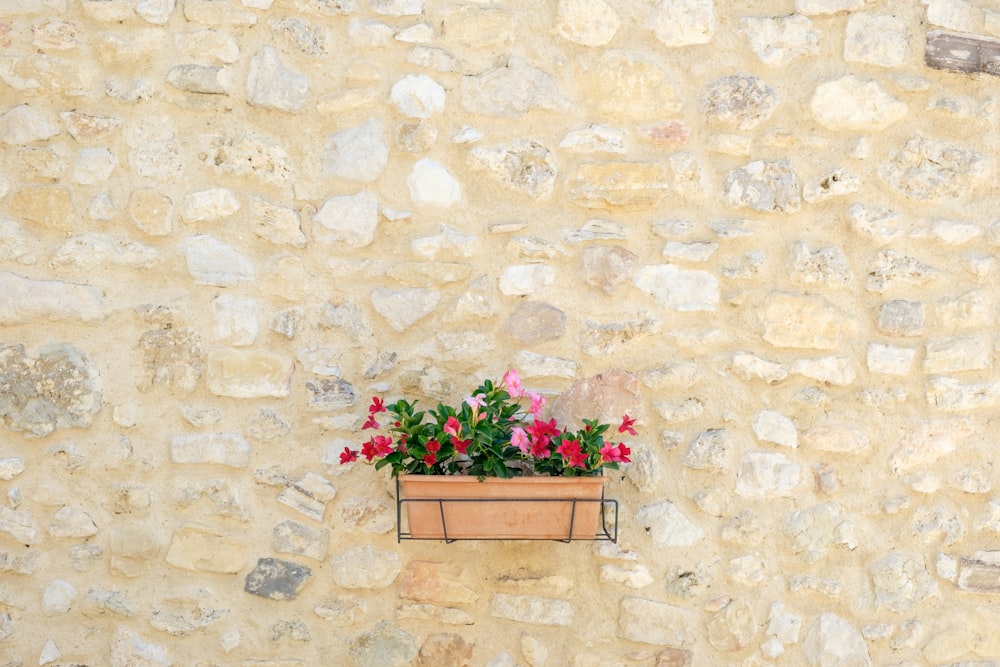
(383,445)
(452,426)
(348,455)
(368,450)
(430,459)
(376,406)
(371,423)
(433,446)
(570,451)
(615,453)
(627,425)
(461,446)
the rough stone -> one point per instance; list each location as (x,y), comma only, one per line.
(832,640)
(357,154)
(772,426)
(72,523)
(525,166)
(779,40)
(212,262)
(667,526)
(228,449)
(815,530)
(248,373)
(531,609)
(272,85)
(767,475)
(928,169)
(657,623)
(445,650)
(608,267)
(618,185)
(92,250)
(130,650)
(628,85)
(768,187)
(683,23)
(740,99)
(277,579)
(901,581)
(849,103)
(431,582)
(385,645)
(364,567)
(18,525)
(732,628)
(203,549)
(804,322)
(901,318)
(58,388)
(511,91)
(876,39)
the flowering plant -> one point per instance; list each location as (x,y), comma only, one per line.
(490,434)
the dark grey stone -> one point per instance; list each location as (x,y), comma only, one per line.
(277,579)
(960,53)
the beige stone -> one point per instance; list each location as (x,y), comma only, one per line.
(248,373)
(50,207)
(203,549)
(625,185)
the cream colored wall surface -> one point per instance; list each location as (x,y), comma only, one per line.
(767,229)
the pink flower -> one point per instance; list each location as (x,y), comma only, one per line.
(519,438)
(383,445)
(615,453)
(452,426)
(537,403)
(512,381)
(371,423)
(376,406)
(348,455)
(477,401)
(627,425)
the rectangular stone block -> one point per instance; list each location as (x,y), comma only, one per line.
(229,449)
(978,575)
(962,53)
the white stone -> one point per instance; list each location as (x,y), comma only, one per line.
(129,650)
(93,166)
(398,7)
(156,12)
(927,441)
(657,623)
(531,609)
(365,567)
(683,22)
(850,103)
(837,371)
(783,625)
(772,426)
(50,653)
(420,33)
(633,577)
(587,22)
(767,475)
(94,249)
(213,44)
(237,319)
(955,232)
(18,525)
(749,366)
(23,299)
(228,449)
(11,467)
(431,183)
(881,40)
(832,640)
(667,526)
(526,279)
(212,262)
(679,289)
(511,90)
(358,153)
(270,84)
(349,219)
(22,125)
(842,439)
(72,522)
(368,33)
(958,15)
(418,96)
(690,252)
(826,7)
(210,205)
(779,40)
(404,307)
(595,138)
(953,395)
(956,354)
(58,597)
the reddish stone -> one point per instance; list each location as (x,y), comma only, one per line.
(445,650)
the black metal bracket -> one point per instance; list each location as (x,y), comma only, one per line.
(604,533)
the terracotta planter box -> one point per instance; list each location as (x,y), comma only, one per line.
(521,508)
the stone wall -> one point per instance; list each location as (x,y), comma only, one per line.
(768,233)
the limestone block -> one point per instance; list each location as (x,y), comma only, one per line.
(432,183)
(432,582)
(23,125)
(779,40)
(732,628)
(804,322)
(952,395)
(93,250)
(132,547)
(772,426)
(57,389)
(842,439)
(294,538)
(632,577)
(237,319)
(203,549)
(201,79)
(740,99)
(750,367)
(228,449)
(533,322)
(445,648)
(767,187)
(531,609)
(849,103)
(248,373)
(667,526)
(525,166)
(767,475)
(901,318)
(511,90)
(209,43)
(683,23)
(212,262)
(357,153)
(212,13)
(815,530)
(328,395)
(365,567)
(349,219)
(18,525)
(210,205)
(11,467)
(874,39)
(418,96)
(130,650)
(834,640)
(657,623)
(626,185)
(404,307)
(956,354)
(526,279)
(924,442)
(72,522)
(710,450)
(837,371)
(827,265)
(277,579)
(928,169)
(587,22)
(58,597)
(679,289)
(151,211)
(272,85)
(48,206)
(51,75)
(901,581)
(385,645)
(595,139)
